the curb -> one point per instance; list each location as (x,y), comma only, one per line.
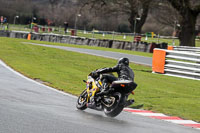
(160,116)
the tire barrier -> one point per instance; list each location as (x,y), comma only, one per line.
(134,46)
(176,63)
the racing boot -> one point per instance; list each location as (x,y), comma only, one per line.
(104,90)
(129,102)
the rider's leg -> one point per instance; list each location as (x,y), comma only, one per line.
(106,80)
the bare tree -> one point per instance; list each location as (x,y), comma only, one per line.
(133,8)
(189,11)
(54,4)
(12,8)
(164,13)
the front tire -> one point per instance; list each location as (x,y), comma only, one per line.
(82,101)
(116,108)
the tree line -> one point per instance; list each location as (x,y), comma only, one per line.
(160,16)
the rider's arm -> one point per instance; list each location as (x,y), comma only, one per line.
(107,70)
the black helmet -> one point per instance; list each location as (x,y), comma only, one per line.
(124,61)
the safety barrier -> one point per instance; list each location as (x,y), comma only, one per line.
(185,48)
(176,63)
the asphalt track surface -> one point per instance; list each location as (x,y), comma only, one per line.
(27,106)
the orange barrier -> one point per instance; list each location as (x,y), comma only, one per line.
(158,63)
(29,36)
(170,48)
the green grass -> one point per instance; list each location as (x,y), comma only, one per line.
(65,71)
(128,38)
(93,47)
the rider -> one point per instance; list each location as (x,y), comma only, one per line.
(123,70)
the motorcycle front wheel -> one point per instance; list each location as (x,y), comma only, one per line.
(82,101)
(116,107)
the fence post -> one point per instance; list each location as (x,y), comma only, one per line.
(113,35)
(93,34)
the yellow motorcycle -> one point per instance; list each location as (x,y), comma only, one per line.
(113,102)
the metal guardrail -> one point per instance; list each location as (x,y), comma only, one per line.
(176,63)
(187,48)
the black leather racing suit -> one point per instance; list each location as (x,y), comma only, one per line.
(124,73)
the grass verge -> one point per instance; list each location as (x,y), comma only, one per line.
(65,71)
(91,47)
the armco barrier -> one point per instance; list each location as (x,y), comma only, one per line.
(185,48)
(176,63)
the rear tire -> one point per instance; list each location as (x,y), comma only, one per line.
(116,108)
(82,101)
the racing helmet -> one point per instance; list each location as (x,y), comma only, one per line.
(124,61)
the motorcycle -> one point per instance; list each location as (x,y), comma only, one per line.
(113,102)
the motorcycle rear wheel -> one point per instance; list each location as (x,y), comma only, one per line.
(116,108)
(82,101)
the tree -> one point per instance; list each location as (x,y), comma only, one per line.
(12,8)
(137,9)
(56,11)
(133,8)
(164,13)
(54,3)
(189,11)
